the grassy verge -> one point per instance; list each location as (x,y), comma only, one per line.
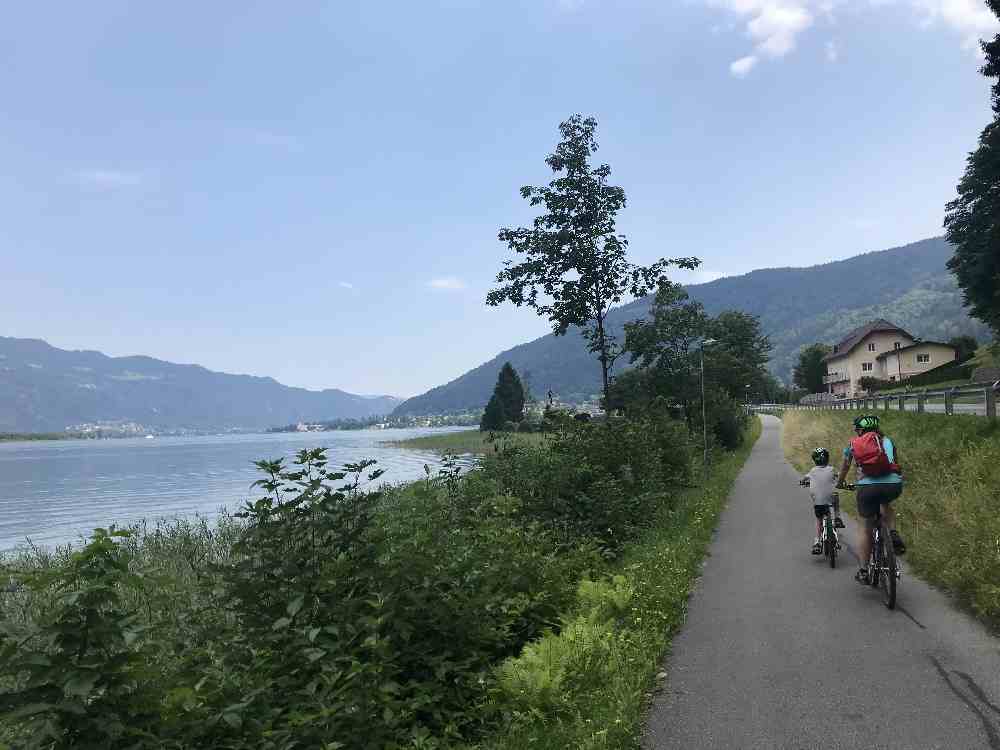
(948,513)
(588,686)
(467,441)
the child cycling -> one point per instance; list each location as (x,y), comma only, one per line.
(822,480)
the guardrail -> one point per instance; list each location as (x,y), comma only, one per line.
(979,399)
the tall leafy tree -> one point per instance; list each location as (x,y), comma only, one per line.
(972,221)
(662,344)
(666,346)
(574,267)
(810,369)
(740,355)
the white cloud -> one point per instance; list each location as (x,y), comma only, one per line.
(971,18)
(775,26)
(447,283)
(740,68)
(107,179)
(345,285)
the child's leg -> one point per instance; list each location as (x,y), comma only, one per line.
(819,527)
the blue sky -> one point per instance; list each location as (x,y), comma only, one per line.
(312,190)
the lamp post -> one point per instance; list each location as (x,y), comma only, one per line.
(704,418)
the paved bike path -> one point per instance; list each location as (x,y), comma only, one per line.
(780,651)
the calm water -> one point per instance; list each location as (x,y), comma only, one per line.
(55,491)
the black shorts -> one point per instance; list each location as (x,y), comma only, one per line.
(871,496)
(821,510)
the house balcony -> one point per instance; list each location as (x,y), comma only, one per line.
(835,377)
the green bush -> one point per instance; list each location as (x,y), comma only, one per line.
(77,674)
(322,604)
(595,482)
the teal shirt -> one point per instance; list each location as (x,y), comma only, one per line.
(890,451)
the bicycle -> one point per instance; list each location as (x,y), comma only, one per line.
(830,540)
(883,571)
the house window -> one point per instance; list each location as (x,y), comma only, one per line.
(923,359)
(896,345)
(871,347)
(866,367)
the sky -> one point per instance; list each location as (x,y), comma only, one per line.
(312,191)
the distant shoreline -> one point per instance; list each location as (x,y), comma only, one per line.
(31,437)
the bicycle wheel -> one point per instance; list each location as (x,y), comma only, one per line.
(887,569)
(874,562)
(831,543)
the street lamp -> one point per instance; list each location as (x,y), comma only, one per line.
(704,418)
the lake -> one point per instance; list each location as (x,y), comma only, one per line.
(56,491)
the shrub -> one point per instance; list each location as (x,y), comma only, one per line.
(595,481)
(325,612)
(872,384)
(77,675)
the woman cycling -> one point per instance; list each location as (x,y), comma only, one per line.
(877,487)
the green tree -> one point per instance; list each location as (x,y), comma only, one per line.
(666,346)
(965,346)
(739,355)
(493,417)
(575,267)
(810,369)
(507,402)
(510,391)
(664,343)
(972,221)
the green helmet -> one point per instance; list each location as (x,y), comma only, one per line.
(868,423)
(821,456)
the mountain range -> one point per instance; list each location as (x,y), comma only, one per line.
(45,389)
(908,285)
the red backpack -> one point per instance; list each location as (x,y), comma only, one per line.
(871,456)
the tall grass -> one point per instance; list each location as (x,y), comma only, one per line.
(469,441)
(587,685)
(949,513)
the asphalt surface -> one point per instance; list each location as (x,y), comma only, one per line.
(780,651)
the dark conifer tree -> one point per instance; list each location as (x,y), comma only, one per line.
(493,416)
(511,393)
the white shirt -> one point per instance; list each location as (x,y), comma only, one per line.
(822,483)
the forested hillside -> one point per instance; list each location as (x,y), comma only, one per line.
(908,285)
(45,389)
